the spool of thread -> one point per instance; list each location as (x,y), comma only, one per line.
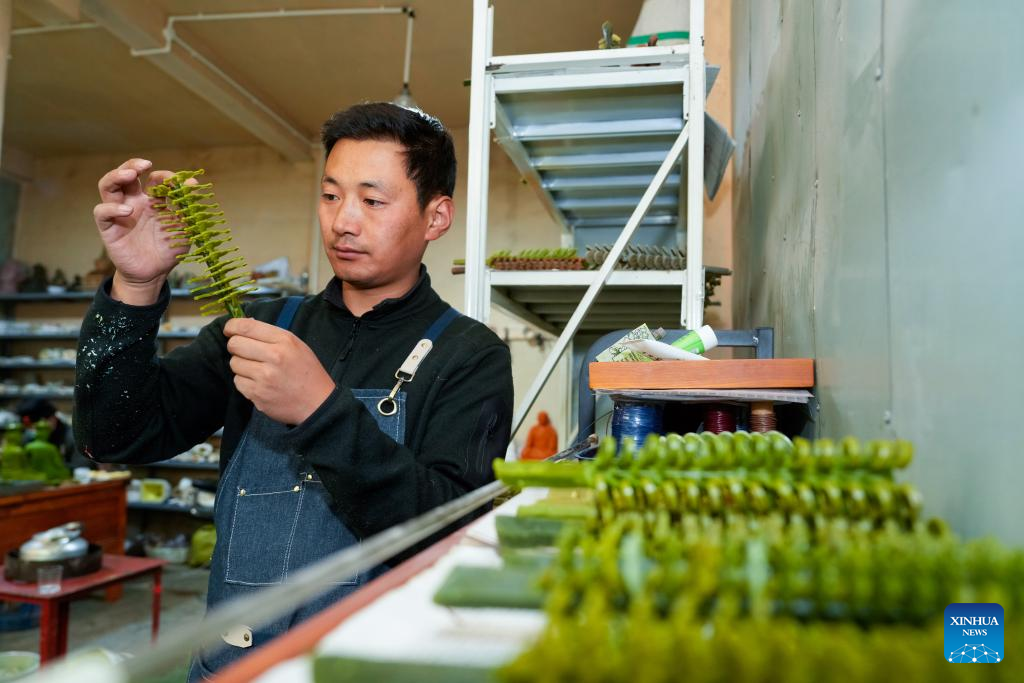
(762,416)
(719,418)
(636,420)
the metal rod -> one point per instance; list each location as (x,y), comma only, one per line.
(33,30)
(601,278)
(286,13)
(693,290)
(304,584)
(170,36)
(407,65)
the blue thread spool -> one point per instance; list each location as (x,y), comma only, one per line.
(636,420)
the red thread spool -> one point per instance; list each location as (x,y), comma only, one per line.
(719,418)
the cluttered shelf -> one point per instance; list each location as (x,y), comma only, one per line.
(548,298)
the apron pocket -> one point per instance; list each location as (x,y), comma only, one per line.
(319,531)
(262,529)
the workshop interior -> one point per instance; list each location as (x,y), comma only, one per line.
(508,341)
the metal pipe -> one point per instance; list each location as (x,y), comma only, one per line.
(33,30)
(170,36)
(287,13)
(407,64)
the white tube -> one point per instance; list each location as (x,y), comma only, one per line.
(660,350)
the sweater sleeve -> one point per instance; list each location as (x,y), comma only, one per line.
(376,482)
(130,405)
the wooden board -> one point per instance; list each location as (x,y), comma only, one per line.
(776,373)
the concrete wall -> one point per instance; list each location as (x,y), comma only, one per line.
(878,211)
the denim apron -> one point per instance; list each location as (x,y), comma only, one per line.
(274,517)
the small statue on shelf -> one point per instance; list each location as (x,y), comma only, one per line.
(12,273)
(103,268)
(37,281)
(59,280)
(542,441)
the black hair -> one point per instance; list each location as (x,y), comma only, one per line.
(35,409)
(429,150)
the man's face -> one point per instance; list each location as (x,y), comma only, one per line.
(373,229)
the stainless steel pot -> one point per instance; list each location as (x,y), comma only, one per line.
(59,543)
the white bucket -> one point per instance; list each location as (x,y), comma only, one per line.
(670,19)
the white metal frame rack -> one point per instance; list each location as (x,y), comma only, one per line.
(607,153)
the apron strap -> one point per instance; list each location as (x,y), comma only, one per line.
(287,314)
(441,324)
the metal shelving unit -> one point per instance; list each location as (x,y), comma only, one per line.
(600,135)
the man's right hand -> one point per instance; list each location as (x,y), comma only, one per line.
(139,245)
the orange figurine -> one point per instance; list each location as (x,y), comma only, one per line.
(542,441)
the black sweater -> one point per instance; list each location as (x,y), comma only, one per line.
(133,407)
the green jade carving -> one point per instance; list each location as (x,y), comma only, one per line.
(192,216)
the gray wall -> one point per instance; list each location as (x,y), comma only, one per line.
(879,223)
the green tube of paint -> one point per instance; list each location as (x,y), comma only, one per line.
(697,341)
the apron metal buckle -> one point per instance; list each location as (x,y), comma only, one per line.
(388,406)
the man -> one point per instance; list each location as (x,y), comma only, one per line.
(318,450)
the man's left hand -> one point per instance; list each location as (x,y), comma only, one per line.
(276,370)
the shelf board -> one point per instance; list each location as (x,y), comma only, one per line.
(547,298)
(182,465)
(8,364)
(73,335)
(765,373)
(201,513)
(48,395)
(708,395)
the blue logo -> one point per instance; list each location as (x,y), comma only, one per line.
(974,633)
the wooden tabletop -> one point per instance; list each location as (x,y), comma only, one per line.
(55,491)
(115,568)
